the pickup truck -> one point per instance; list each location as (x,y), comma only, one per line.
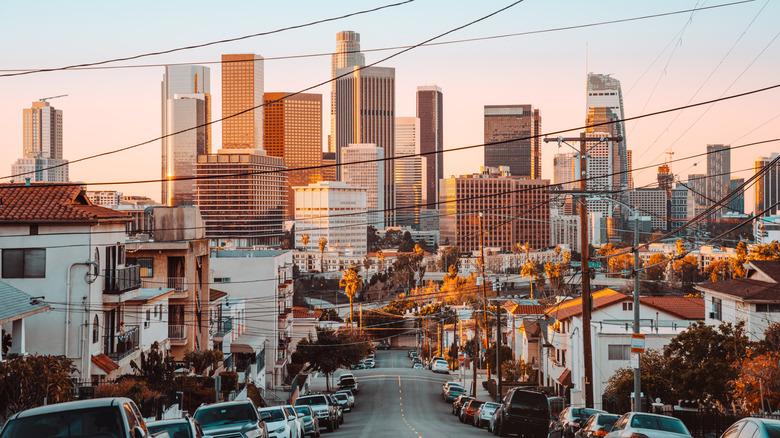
(98,418)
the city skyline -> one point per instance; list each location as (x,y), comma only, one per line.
(87,132)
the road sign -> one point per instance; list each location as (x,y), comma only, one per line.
(461,356)
(638,343)
(634,361)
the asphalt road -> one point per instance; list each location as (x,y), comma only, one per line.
(398,401)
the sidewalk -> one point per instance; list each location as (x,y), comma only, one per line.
(466,379)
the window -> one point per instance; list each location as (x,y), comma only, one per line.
(717,309)
(619,352)
(95,330)
(148,314)
(627,307)
(768,308)
(24,263)
(145,263)
(221,279)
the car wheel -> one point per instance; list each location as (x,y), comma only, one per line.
(330,427)
(502,430)
(341,420)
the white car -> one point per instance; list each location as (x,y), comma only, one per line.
(648,425)
(296,421)
(277,422)
(440,366)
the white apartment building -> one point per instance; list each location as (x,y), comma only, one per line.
(333,210)
(651,202)
(565,230)
(106,198)
(370,175)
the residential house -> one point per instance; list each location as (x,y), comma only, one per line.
(305,325)
(17,306)
(521,313)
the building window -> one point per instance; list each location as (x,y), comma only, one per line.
(627,307)
(221,279)
(24,263)
(717,309)
(768,308)
(148,314)
(145,263)
(95,330)
(34,229)
(619,352)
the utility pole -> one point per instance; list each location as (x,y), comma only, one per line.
(587,348)
(498,340)
(637,371)
(484,287)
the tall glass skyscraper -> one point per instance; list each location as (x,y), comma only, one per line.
(242,89)
(410,173)
(430,111)
(186,103)
(718,174)
(605,91)
(767,188)
(347,55)
(516,129)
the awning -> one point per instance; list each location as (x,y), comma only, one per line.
(247,343)
(565,378)
(104,363)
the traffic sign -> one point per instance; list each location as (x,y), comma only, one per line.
(461,356)
(638,343)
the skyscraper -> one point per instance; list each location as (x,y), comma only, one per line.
(347,55)
(242,89)
(410,178)
(718,174)
(430,111)
(365,113)
(186,103)
(564,175)
(737,204)
(369,175)
(767,191)
(293,130)
(42,145)
(518,129)
(604,91)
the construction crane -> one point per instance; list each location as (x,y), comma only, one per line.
(44,99)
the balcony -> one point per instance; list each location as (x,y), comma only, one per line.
(177,333)
(123,344)
(223,327)
(178,284)
(119,280)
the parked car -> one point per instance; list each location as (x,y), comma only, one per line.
(635,424)
(113,416)
(343,401)
(278,422)
(350,396)
(469,410)
(348,383)
(185,427)
(453,392)
(226,419)
(570,420)
(294,418)
(311,424)
(753,428)
(417,366)
(457,405)
(327,415)
(449,383)
(383,346)
(429,365)
(494,421)
(440,366)
(482,417)
(358,366)
(598,425)
(525,413)
(369,363)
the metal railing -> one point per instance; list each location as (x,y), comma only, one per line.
(118,280)
(124,344)
(178,284)
(224,326)
(177,331)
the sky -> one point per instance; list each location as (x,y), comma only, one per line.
(661,62)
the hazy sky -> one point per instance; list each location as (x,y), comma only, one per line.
(661,62)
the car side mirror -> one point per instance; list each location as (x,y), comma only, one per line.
(290,417)
(138,432)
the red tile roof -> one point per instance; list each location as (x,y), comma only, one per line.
(690,308)
(517,309)
(302,312)
(49,202)
(571,308)
(104,363)
(745,289)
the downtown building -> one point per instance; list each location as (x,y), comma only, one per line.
(365,113)
(42,145)
(718,176)
(360,168)
(186,106)
(650,202)
(293,130)
(410,173)
(604,92)
(430,112)
(347,55)
(516,130)
(767,187)
(498,195)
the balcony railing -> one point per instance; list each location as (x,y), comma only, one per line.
(224,326)
(121,345)
(177,332)
(118,280)
(178,284)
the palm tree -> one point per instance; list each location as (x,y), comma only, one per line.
(323,244)
(381,256)
(530,270)
(305,242)
(350,281)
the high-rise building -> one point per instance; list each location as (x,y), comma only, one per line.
(247,209)
(651,202)
(630,169)
(500,195)
(564,170)
(430,111)
(42,145)
(333,210)
(517,131)
(410,177)
(242,89)
(681,206)
(767,191)
(602,173)
(737,204)
(293,130)
(329,172)
(718,174)
(697,185)
(365,113)
(105,198)
(347,55)
(605,91)
(368,173)
(186,103)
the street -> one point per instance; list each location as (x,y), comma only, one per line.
(398,401)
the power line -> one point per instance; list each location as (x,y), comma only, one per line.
(211,43)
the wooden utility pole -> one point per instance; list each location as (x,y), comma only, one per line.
(587,348)
(484,287)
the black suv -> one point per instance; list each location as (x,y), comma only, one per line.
(525,413)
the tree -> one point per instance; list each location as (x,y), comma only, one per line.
(517,371)
(758,385)
(554,272)
(287,240)
(350,281)
(330,351)
(367,262)
(490,355)
(407,243)
(372,240)
(201,360)
(738,262)
(531,270)
(305,241)
(380,255)
(718,270)
(686,270)
(654,368)
(655,273)
(156,368)
(323,244)
(330,314)
(33,380)
(449,257)
(766,251)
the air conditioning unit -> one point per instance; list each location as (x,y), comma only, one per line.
(146,324)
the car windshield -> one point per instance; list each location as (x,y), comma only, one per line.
(341,396)
(667,424)
(490,407)
(476,403)
(220,414)
(607,420)
(583,413)
(772,430)
(319,400)
(458,389)
(305,410)
(180,429)
(77,423)
(347,381)
(272,415)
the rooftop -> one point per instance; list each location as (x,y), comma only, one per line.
(18,304)
(51,202)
